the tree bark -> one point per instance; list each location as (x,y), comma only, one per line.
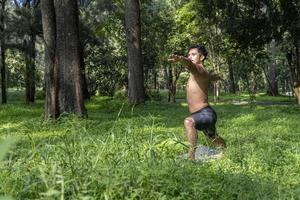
(231,78)
(2,54)
(85,92)
(271,74)
(155,84)
(63,60)
(170,84)
(297,66)
(68,51)
(173,74)
(51,68)
(29,54)
(136,89)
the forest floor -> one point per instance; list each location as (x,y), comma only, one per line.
(125,152)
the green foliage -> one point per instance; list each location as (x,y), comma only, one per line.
(16,68)
(125,152)
(153,95)
(105,49)
(104,73)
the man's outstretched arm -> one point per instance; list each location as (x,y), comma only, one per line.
(194,68)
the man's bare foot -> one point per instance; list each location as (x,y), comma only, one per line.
(191,154)
(219,142)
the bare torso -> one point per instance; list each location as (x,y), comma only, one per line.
(197,91)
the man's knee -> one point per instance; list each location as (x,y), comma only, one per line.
(189,122)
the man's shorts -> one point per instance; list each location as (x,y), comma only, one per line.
(205,120)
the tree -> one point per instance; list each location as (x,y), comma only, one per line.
(63,58)
(271,76)
(136,91)
(51,67)
(26,25)
(2,52)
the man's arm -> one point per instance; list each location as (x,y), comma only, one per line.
(192,67)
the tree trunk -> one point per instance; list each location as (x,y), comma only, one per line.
(216,86)
(62,58)
(271,75)
(165,74)
(51,68)
(68,51)
(231,78)
(155,84)
(136,89)
(170,85)
(85,92)
(297,66)
(173,74)
(2,55)
(29,44)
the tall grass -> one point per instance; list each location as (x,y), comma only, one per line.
(124,152)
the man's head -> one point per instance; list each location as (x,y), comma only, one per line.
(197,54)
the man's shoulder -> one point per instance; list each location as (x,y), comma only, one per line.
(202,73)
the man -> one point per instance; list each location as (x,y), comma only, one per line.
(202,117)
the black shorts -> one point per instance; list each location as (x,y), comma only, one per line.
(205,120)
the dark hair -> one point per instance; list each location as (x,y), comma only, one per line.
(200,48)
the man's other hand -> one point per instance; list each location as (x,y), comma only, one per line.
(176,58)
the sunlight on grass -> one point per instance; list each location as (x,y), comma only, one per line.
(129,152)
(8,126)
(184,104)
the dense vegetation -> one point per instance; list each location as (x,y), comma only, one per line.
(91,108)
(125,152)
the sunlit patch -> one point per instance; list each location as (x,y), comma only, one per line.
(8,126)
(184,104)
(260,108)
(217,104)
(244,118)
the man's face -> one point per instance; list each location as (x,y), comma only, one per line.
(195,56)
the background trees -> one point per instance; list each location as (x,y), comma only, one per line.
(253,45)
(2,52)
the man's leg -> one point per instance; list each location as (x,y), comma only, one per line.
(192,136)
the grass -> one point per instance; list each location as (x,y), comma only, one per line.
(124,152)
(238,97)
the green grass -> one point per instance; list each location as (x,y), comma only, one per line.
(238,97)
(124,152)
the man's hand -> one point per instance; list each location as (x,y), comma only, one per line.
(183,60)
(194,68)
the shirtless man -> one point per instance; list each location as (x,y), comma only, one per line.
(202,117)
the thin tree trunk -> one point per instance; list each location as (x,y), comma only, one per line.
(51,68)
(165,74)
(155,84)
(85,91)
(271,75)
(2,54)
(136,89)
(170,80)
(231,78)
(29,44)
(68,51)
(297,66)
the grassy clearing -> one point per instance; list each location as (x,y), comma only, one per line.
(123,152)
